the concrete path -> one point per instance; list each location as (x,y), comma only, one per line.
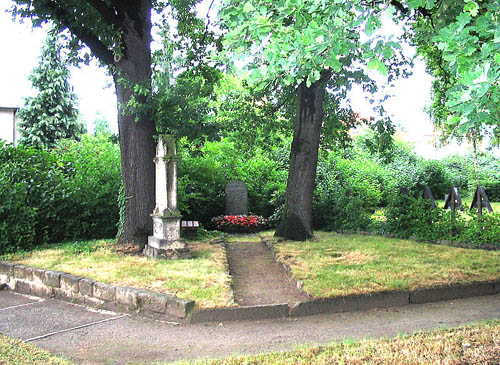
(91,337)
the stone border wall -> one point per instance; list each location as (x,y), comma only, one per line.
(94,294)
(287,268)
(59,285)
(230,288)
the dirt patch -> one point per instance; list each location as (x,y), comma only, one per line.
(351,257)
(257,278)
(128,249)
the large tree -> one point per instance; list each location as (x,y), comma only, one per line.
(309,45)
(118,34)
(51,114)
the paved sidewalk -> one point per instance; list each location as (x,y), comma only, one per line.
(91,337)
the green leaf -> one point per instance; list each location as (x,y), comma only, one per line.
(376,64)
(334,63)
(472,8)
(248,7)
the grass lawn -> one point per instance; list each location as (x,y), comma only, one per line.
(468,201)
(203,279)
(337,264)
(329,265)
(15,352)
(475,344)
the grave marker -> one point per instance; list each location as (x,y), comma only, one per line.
(236,198)
(427,194)
(165,241)
(481,201)
(453,200)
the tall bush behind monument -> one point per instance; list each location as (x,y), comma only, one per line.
(50,115)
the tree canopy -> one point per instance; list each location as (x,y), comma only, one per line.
(315,48)
(460,42)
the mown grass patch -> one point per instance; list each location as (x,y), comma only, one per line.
(336,264)
(15,352)
(474,344)
(203,279)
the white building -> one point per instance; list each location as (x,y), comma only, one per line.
(8,124)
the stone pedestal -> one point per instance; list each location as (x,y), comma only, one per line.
(165,241)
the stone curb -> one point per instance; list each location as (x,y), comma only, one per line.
(66,287)
(442,293)
(350,303)
(76,289)
(287,268)
(230,288)
(258,312)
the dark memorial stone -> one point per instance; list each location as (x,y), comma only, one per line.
(236,198)
(481,201)
(403,191)
(427,194)
(453,200)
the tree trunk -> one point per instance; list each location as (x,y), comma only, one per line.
(136,136)
(296,223)
(476,164)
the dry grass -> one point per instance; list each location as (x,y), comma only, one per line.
(334,264)
(476,344)
(203,279)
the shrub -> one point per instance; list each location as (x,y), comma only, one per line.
(50,195)
(410,217)
(461,172)
(239,223)
(205,171)
(93,179)
(459,169)
(489,176)
(347,192)
(32,187)
(17,220)
(434,174)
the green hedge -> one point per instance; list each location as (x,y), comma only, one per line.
(347,191)
(205,171)
(60,194)
(71,192)
(409,217)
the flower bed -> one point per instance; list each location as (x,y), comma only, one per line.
(239,223)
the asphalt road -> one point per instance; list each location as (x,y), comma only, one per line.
(89,337)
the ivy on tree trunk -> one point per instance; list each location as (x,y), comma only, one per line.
(136,133)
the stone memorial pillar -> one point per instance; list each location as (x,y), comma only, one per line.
(166,241)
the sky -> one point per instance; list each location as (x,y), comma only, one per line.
(20,47)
